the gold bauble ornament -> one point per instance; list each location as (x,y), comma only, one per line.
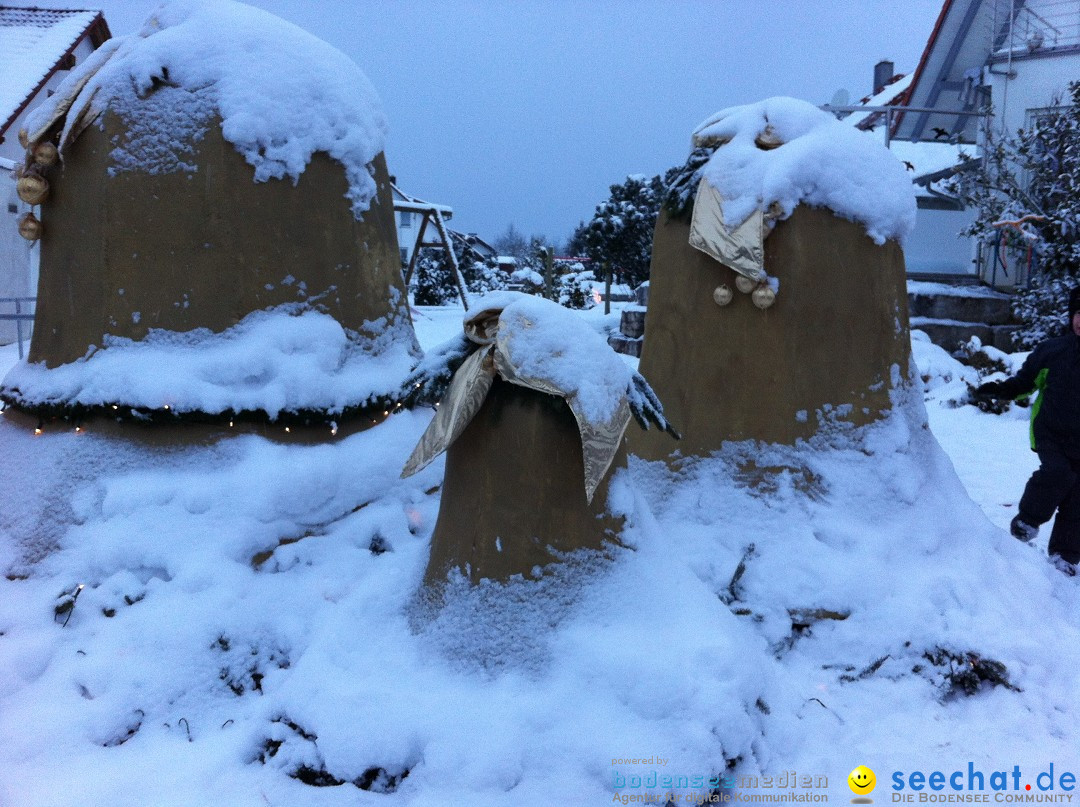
(722,294)
(46,154)
(32,189)
(24,138)
(768,139)
(744,284)
(763,297)
(30,227)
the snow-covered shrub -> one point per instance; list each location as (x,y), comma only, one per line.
(1043,308)
(482,277)
(434,281)
(528,280)
(575,288)
(1033,180)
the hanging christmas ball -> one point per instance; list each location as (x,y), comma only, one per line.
(32,189)
(24,138)
(722,294)
(744,284)
(763,297)
(46,154)
(768,139)
(30,227)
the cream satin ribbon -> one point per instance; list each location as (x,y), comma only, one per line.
(742,247)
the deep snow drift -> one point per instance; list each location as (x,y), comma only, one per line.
(248,616)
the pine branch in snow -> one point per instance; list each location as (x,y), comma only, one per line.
(429,380)
(646,407)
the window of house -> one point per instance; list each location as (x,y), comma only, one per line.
(406,218)
(404,255)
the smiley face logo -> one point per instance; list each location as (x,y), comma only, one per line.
(862,780)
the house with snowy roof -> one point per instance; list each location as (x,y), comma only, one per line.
(933,248)
(38,48)
(414,217)
(1013,57)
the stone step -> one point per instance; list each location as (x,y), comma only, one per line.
(960,303)
(625,344)
(641,293)
(948,333)
(632,322)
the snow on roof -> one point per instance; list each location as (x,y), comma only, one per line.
(890,94)
(412,204)
(282,94)
(32,42)
(927,157)
(788,152)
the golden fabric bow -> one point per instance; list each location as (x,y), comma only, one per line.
(469,387)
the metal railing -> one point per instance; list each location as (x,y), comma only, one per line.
(20,316)
(890,112)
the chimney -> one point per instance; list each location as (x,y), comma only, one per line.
(883,71)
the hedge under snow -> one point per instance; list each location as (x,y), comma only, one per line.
(282,93)
(821,162)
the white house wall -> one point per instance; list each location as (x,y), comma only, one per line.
(936,246)
(17,263)
(18,259)
(1037,81)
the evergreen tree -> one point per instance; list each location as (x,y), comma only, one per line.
(620,232)
(480,276)
(435,284)
(512,243)
(575,287)
(577,246)
(1033,178)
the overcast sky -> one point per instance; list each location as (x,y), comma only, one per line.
(525,111)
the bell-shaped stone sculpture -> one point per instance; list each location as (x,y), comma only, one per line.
(218,163)
(822,333)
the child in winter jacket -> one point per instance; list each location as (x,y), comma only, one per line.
(1053,370)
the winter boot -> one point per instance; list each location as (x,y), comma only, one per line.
(1022,530)
(1063,565)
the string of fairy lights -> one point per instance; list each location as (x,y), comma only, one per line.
(77,417)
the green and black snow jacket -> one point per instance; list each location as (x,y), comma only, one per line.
(1053,370)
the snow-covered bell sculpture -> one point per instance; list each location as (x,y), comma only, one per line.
(221,176)
(533,409)
(777,195)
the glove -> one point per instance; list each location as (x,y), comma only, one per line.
(991,389)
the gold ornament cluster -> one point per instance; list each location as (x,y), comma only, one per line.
(761,293)
(30,182)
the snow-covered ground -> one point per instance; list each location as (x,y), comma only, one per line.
(247,621)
